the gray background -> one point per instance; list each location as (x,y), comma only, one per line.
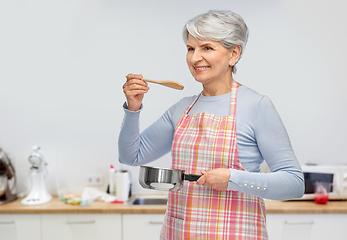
(63,64)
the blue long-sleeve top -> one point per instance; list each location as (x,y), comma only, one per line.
(261,136)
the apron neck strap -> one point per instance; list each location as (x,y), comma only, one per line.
(232,110)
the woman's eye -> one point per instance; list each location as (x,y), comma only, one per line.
(208,48)
(190,49)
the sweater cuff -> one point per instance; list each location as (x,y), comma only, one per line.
(125,107)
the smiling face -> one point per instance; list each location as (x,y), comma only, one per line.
(210,63)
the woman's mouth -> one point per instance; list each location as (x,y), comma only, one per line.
(200,69)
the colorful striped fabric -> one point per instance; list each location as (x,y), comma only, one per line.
(204,142)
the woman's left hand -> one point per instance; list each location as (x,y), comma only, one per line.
(217,179)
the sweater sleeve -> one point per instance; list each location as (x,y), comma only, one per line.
(286,178)
(154,142)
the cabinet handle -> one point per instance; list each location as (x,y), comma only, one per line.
(298,222)
(81,222)
(153,222)
(10,222)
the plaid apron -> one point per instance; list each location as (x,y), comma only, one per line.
(204,142)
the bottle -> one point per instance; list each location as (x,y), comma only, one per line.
(111,180)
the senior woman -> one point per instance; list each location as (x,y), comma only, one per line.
(223,133)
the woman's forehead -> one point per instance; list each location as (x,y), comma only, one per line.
(192,40)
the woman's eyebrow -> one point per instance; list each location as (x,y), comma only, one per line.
(206,45)
(202,45)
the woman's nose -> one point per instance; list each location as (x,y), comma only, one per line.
(196,57)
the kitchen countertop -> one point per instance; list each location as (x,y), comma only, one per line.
(272,207)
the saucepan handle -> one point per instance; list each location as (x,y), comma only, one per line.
(191,177)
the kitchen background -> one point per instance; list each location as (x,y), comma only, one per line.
(63,64)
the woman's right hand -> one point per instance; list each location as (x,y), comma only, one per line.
(134,90)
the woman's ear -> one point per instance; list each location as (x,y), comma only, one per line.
(235,55)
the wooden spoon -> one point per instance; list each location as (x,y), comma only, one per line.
(170,84)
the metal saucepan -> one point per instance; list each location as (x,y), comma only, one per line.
(3,185)
(164,179)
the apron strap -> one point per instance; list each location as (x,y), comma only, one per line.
(232,110)
(233,99)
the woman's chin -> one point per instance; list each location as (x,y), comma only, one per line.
(200,79)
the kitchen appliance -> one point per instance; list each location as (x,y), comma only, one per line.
(164,179)
(7,179)
(334,175)
(38,193)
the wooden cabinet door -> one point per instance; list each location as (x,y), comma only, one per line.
(307,226)
(81,226)
(20,227)
(142,226)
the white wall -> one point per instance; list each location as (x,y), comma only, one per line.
(63,63)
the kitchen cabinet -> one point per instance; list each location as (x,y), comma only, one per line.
(56,220)
(307,226)
(81,226)
(142,226)
(20,227)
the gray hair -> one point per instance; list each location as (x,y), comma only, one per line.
(226,27)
